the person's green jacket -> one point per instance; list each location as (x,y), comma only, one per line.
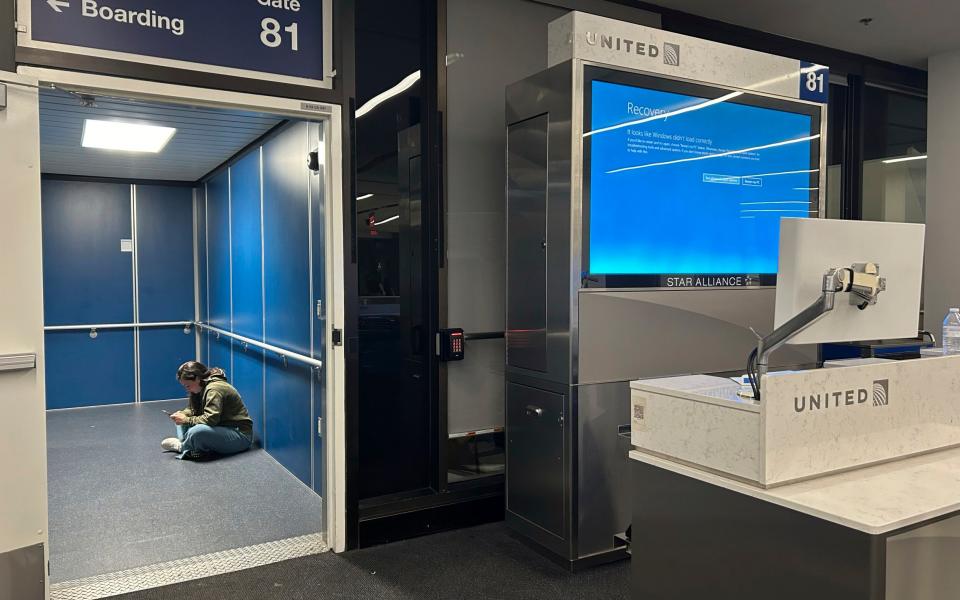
(220,405)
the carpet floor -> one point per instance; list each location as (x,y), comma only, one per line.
(484,562)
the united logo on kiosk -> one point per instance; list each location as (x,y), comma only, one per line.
(881,392)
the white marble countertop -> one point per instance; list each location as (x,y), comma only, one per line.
(875,500)
(701,388)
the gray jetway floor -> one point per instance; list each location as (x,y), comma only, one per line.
(117,501)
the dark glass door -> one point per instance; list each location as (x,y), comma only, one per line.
(395,424)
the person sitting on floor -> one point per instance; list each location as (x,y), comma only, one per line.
(216,422)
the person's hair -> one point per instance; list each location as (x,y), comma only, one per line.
(197,371)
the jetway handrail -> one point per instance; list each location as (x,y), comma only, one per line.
(116,326)
(268,347)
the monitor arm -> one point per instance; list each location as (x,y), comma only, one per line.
(861,280)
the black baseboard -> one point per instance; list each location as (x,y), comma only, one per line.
(410,523)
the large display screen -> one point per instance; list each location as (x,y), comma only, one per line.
(693,180)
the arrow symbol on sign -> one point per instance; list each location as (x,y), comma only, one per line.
(58,5)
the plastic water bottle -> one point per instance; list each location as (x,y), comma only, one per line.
(951,332)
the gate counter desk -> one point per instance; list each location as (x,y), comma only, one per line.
(716,517)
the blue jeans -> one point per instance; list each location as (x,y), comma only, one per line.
(207,439)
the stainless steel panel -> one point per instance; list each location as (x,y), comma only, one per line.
(566,171)
(550,92)
(603,504)
(22,574)
(576,268)
(922,564)
(527,153)
(627,335)
(535,449)
(538,536)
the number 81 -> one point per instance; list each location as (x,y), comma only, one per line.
(271,37)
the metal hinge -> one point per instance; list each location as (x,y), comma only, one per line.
(319,309)
(20,27)
(337,337)
(320,427)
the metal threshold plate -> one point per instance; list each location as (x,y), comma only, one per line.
(197,567)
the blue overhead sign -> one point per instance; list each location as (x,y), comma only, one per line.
(814,82)
(285,38)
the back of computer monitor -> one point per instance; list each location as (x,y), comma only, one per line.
(810,247)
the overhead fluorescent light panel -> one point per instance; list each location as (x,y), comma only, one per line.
(905,159)
(127,137)
(393,218)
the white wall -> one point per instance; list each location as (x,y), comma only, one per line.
(477,76)
(476,145)
(23,448)
(942,270)
(895,191)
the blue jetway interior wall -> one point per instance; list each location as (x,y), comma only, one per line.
(258,268)
(260,249)
(89,279)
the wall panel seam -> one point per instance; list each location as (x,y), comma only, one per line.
(230,255)
(263,309)
(136,292)
(310,303)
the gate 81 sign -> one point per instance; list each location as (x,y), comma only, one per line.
(814,82)
(283,40)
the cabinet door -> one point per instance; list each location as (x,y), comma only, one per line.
(527,244)
(535,473)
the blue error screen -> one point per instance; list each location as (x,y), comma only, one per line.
(686,184)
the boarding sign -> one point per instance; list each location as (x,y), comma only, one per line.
(286,41)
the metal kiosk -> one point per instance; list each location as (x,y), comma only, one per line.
(579,328)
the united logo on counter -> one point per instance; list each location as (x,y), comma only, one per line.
(881,392)
(842,398)
(829,400)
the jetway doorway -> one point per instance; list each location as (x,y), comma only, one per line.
(224,247)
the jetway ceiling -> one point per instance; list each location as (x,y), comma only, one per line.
(204,140)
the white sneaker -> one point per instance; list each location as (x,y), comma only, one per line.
(170,444)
